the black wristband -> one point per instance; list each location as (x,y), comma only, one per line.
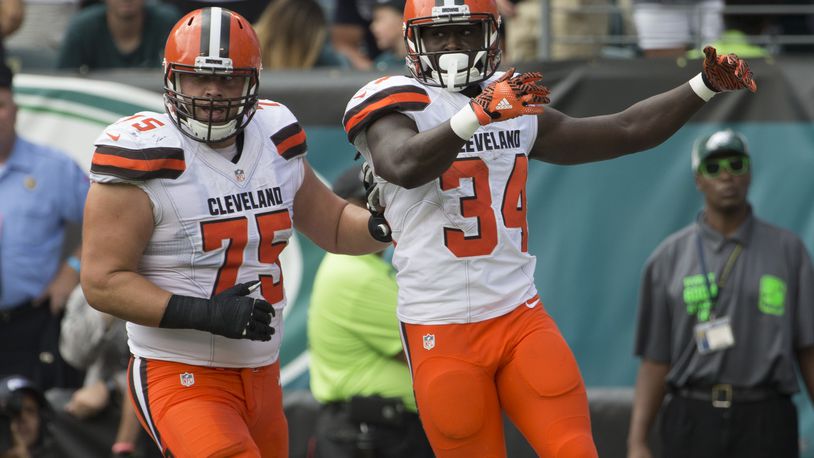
(184,312)
(378,228)
(707,83)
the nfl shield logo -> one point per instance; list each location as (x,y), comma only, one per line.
(187,379)
(240,175)
(429,341)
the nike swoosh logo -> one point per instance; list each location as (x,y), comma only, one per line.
(533,304)
(115,138)
(360,95)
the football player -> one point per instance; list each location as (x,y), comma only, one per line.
(450,148)
(187,215)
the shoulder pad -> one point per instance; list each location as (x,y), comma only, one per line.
(137,148)
(382,96)
(285,131)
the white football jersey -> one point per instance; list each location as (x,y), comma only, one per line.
(461,240)
(217,223)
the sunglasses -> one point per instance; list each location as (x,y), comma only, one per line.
(738,165)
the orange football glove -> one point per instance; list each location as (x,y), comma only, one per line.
(726,73)
(510,97)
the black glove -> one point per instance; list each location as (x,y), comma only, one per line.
(376,225)
(229,314)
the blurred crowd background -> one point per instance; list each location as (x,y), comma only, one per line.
(84,35)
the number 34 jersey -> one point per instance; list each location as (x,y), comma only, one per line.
(461,240)
(216,223)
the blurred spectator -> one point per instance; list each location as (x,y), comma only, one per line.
(387,29)
(293,35)
(43,191)
(249,9)
(43,26)
(570,19)
(97,343)
(11,17)
(350,32)
(790,24)
(667,28)
(358,370)
(120,33)
(737,30)
(23,403)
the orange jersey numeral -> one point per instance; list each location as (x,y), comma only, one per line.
(479,205)
(235,231)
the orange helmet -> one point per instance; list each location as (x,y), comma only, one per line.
(453,70)
(211,41)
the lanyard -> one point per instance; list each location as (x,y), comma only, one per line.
(720,282)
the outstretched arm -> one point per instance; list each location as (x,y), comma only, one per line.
(565,140)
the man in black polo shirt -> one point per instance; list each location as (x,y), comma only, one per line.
(726,311)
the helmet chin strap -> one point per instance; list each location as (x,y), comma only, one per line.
(202,131)
(449,65)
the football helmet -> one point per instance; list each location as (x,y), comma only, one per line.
(453,70)
(218,42)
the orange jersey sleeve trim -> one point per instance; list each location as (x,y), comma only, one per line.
(143,164)
(398,98)
(290,141)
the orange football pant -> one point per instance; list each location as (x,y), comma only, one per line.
(465,374)
(197,411)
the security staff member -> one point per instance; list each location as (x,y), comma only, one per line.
(726,309)
(41,191)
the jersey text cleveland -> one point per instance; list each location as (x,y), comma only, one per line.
(249,200)
(488,141)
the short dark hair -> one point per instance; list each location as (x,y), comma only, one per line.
(5,76)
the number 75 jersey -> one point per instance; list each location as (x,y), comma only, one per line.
(462,239)
(216,222)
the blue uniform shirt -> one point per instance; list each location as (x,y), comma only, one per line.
(41,189)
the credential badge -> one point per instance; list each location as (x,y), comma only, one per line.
(187,379)
(30,183)
(429,341)
(240,175)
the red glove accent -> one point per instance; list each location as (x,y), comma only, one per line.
(510,97)
(726,73)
